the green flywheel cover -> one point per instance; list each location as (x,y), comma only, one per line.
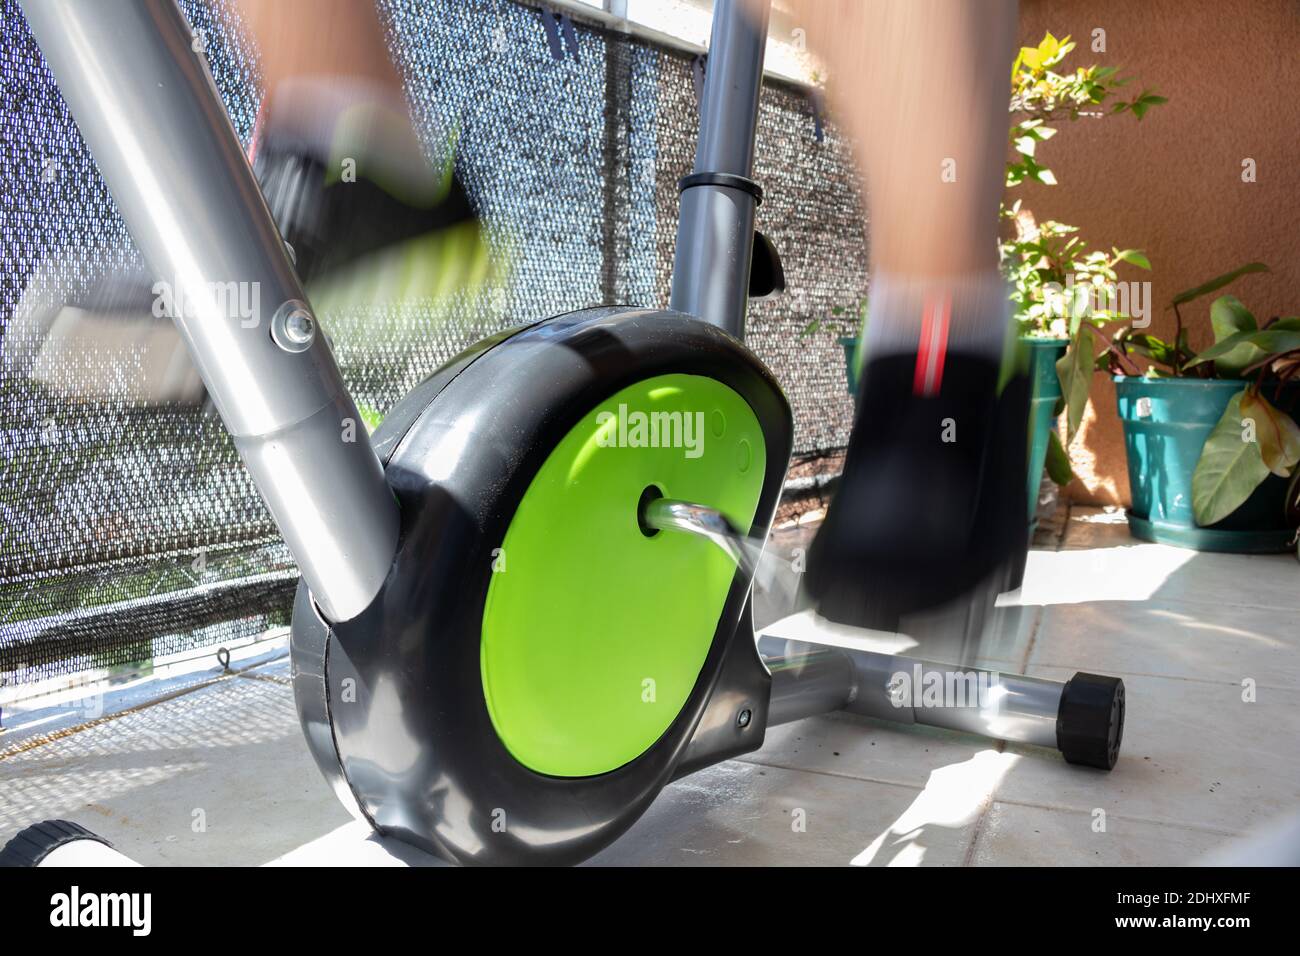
(593,633)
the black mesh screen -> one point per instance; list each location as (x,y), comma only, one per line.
(129,532)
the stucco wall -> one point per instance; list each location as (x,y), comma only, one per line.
(1172,183)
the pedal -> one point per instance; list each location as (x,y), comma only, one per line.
(666,514)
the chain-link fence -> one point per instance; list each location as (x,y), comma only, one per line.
(131,532)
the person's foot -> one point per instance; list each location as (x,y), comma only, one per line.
(931,500)
(354,242)
(357,242)
(106,345)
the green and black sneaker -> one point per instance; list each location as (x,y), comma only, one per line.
(359,243)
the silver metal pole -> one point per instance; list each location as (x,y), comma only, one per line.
(667,514)
(139,88)
(810,679)
(807,680)
(715,234)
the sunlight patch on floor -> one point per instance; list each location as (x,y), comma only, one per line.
(953,797)
(1130,573)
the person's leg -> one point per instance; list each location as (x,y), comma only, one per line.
(298,38)
(921,86)
(333,91)
(925,508)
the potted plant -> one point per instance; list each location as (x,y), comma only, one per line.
(1040,260)
(1211,441)
(848,324)
(850,328)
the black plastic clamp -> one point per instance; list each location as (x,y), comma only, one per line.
(730,180)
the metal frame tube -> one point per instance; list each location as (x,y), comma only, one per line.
(809,679)
(709,523)
(715,234)
(146,105)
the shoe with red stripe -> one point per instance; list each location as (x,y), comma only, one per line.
(936,317)
(931,500)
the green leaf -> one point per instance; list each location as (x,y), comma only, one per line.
(1144,101)
(1217,283)
(1276,433)
(1058,460)
(1270,341)
(1134,257)
(1229,469)
(1074,369)
(1229,317)
(1079,305)
(1153,348)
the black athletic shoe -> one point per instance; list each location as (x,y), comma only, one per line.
(931,501)
(354,244)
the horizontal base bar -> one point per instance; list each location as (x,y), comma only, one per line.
(810,679)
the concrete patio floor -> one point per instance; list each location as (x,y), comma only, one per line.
(1200,765)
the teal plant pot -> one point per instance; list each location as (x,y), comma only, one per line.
(851,366)
(1046,391)
(1166,422)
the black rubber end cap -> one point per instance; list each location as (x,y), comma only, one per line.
(1090,720)
(30,846)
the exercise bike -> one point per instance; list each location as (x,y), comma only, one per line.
(516,622)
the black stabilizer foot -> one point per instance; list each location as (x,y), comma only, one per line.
(1090,721)
(32,845)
